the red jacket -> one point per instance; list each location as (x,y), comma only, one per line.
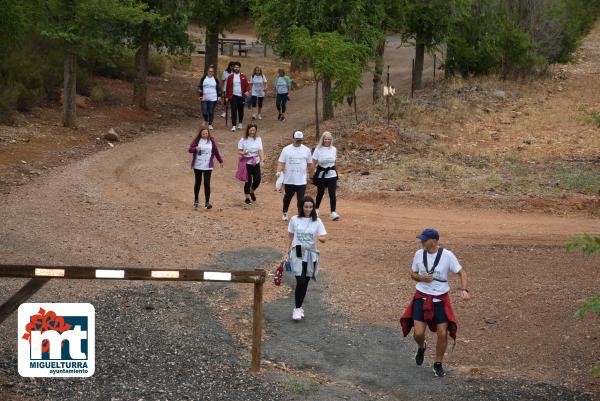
(229,85)
(406,321)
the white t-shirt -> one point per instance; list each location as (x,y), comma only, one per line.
(304,230)
(252,146)
(296,159)
(224,78)
(325,157)
(448,263)
(282,86)
(258,85)
(203,156)
(237,84)
(209,89)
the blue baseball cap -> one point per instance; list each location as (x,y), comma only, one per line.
(429,233)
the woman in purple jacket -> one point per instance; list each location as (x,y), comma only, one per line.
(204,149)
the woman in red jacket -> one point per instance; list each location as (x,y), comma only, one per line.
(204,149)
(237,88)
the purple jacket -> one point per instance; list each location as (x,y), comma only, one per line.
(215,153)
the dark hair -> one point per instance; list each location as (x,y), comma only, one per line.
(197,139)
(313,215)
(248,130)
(234,63)
(229,66)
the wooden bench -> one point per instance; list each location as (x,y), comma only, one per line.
(242,46)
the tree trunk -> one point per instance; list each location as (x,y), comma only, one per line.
(140,85)
(419,61)
(327,100)
(212,50)
(69,89)
(317,109)
(378,72)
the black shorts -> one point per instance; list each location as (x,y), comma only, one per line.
(257,100)
(439,313)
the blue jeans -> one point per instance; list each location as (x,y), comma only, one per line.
(208,110)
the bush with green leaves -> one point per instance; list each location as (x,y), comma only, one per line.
(588,244)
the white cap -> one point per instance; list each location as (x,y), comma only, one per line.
(298,135)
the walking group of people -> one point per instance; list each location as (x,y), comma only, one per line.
(429,307)
(237,91)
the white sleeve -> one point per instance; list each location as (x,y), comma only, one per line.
(241,144)
(282,156)
(260,143)
(415,263)
(321,227)
(308,156)
(315,155)
(455,267)
(292,225)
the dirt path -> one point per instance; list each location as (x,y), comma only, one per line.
(132,205)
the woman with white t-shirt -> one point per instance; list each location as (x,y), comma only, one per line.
(204,149)
(250,149)
(324,159)
(304,230)
(209,92)
(257,82)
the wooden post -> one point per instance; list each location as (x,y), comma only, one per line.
(23,295)
(257,323)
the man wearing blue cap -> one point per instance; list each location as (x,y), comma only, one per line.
(430,306)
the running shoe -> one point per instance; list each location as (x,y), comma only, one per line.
(420,355)
(224,115)
(253,197)
(195,204)
(210,126)
(302,312)
(259,117)
(240,126)
(233,129)
(254,116)
(438,370)
(248,202)
(297,314)
(207,205)
(284,216)
(282,118)
(279,116)
(334,216)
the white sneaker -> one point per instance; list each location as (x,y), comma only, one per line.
(233,129)
(334,216)
(210,126)
(302,312)
(259,117)
(284,217)
(254,116)
(240,126)
(224,115)
(297,314)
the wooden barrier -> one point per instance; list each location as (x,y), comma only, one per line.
(40,275)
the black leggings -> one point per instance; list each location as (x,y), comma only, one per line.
(237,109)
(290,191)
(301,287)
(330,184)
(253,178)
(198,175)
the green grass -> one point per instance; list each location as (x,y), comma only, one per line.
(299,385)
(582,181)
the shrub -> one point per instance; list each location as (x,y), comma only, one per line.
(97,94)
(157,63)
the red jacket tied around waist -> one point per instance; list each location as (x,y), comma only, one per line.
(406,321)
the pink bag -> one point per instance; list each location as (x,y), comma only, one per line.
(242,171)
